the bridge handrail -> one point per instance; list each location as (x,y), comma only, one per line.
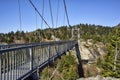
(6,46)
(34,44)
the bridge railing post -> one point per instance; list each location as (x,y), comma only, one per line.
(31,58)
(57,50)
(49,51)
(50,62)
(68,45)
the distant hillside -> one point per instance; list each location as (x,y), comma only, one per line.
(87,31)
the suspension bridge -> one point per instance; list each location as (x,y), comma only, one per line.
(21,61)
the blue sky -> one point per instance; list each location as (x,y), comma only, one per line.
(99,12)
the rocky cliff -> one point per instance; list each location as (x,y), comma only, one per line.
(91,50)
(98,77)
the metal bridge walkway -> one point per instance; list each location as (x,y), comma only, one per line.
(19,62)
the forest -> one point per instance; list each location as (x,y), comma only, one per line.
(87,31)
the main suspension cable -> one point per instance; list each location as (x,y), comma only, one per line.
(20,20)
(64,15)
(19,14)
(39,13)
(42,14)
(36,20)
(66,12)
(57,13)
(51,13)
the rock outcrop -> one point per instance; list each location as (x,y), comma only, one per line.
(98,77)
(90,51)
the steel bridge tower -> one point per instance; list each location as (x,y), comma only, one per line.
(76,34)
